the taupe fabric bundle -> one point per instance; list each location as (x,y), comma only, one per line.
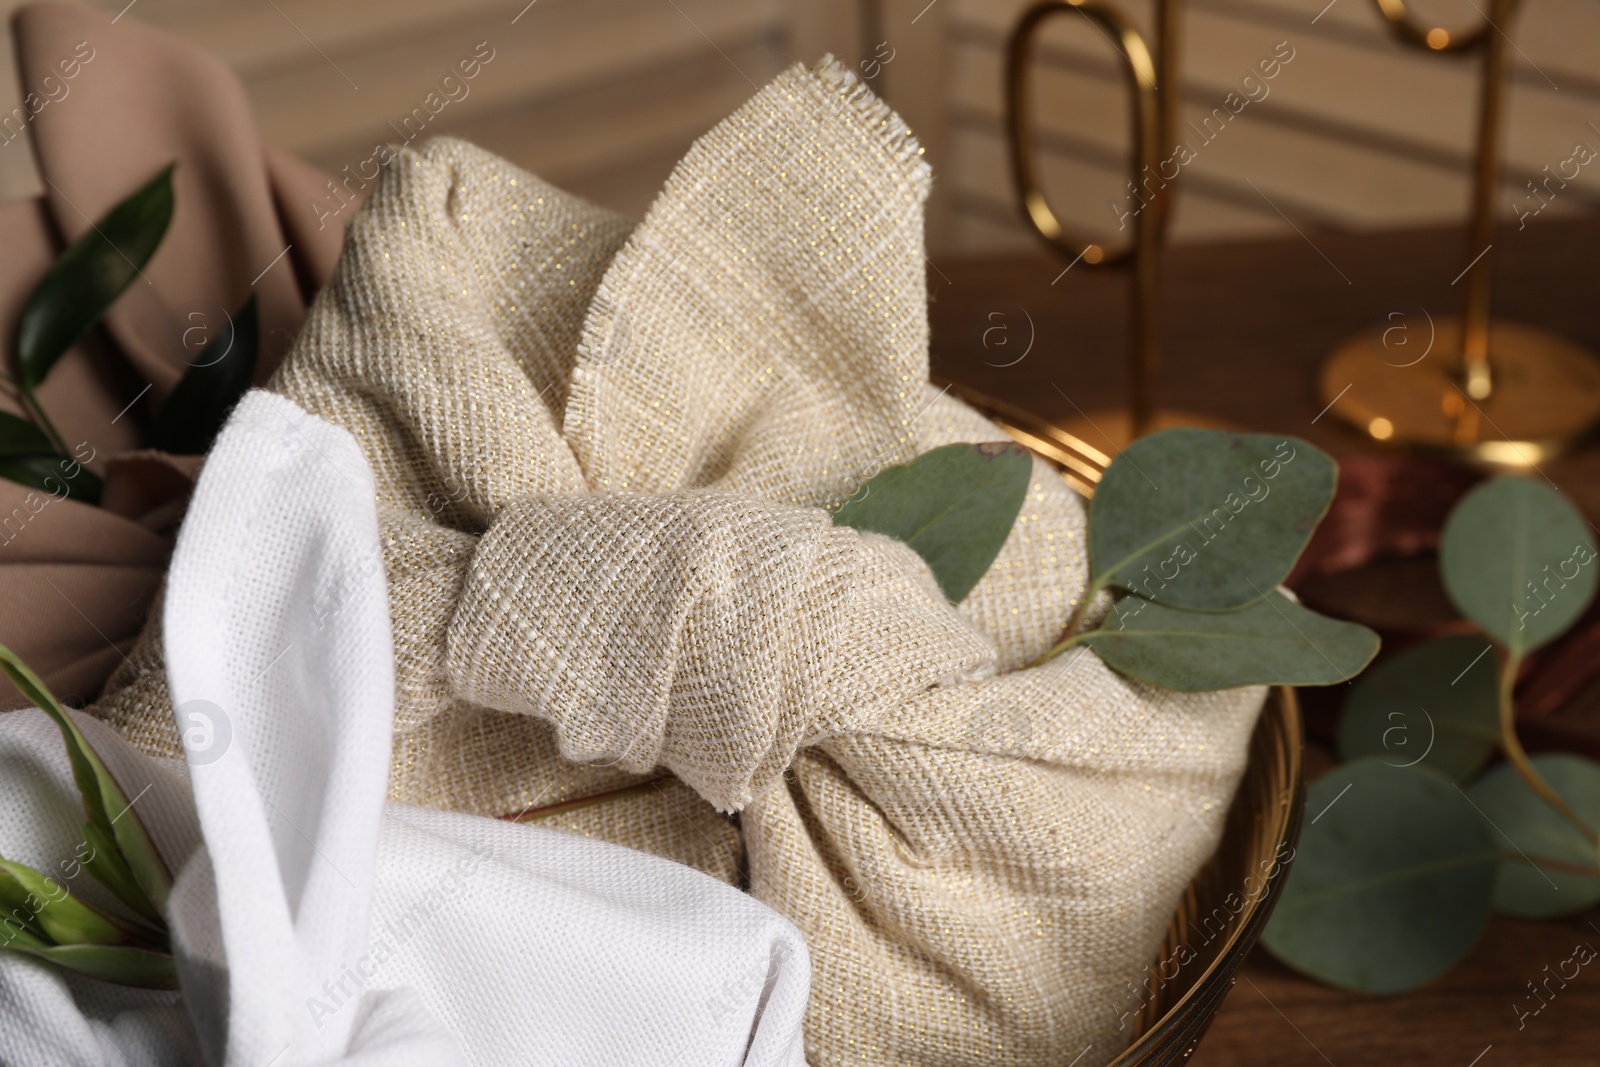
(77,579)
(603,457)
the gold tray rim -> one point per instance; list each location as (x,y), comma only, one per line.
(1171,1025)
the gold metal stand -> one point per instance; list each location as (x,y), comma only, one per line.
(1492,392)
(1153,80)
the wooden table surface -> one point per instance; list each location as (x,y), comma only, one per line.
(1244,329)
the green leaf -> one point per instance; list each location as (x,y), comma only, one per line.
(955,505)
(1518,560)
(119,835)
(48,475)
(89,277)
(1516,813)
(1206,520)
(1434,703)
(110,869)
(16,910)
(14,935)
(65,919)
(1391,880)
(1273,641)
(19,437)
(193,415)
(123,965)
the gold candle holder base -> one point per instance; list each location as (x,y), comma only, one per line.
(1546,394)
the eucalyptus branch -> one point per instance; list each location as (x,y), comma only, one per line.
(1518,757)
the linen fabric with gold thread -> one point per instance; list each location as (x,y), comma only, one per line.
(605,454)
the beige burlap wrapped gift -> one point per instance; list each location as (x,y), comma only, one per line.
(604,454)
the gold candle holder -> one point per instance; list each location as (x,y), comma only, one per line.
(1498,393)
(1152,76)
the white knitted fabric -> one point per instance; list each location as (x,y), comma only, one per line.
(315,924)
(603,455)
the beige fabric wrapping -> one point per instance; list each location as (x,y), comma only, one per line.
(603,455)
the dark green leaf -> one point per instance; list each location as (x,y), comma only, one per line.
(1434,703)
(1206,520)
(1516,813)
(193,415)
(48,474)
(955,505)
(109,811)
(1391,881)
(1518,560)
(19,437)
(89,277)
(1273,641)
(122,965)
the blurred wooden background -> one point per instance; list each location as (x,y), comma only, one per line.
(603,96)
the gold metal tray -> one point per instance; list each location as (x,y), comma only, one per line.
(1224,909)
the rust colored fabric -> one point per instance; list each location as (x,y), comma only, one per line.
(1396,506)
(76,581)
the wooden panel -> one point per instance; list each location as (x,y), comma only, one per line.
(614,143)
(554,50)
(1356,131)
(577,87)
(1313,178)
(981,185)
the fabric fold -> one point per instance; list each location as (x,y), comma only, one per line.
(313,923)
(242,224)
(745,627)
(603,455)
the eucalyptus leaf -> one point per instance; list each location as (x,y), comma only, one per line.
(193,414)
(1273,641)
(954,505)
(1391,882)
(48,475)
(63,918)
(1206,520)
(1434,703)
(1518,559)
(109,811)
(121,964)
(19,437)
(89,277)
(1534,829)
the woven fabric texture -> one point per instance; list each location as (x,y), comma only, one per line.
(603,457)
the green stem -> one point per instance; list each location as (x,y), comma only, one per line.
(31,404)
(1069,633)
(1518,757)
(1589,870)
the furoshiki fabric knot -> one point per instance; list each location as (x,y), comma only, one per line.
(603,455)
